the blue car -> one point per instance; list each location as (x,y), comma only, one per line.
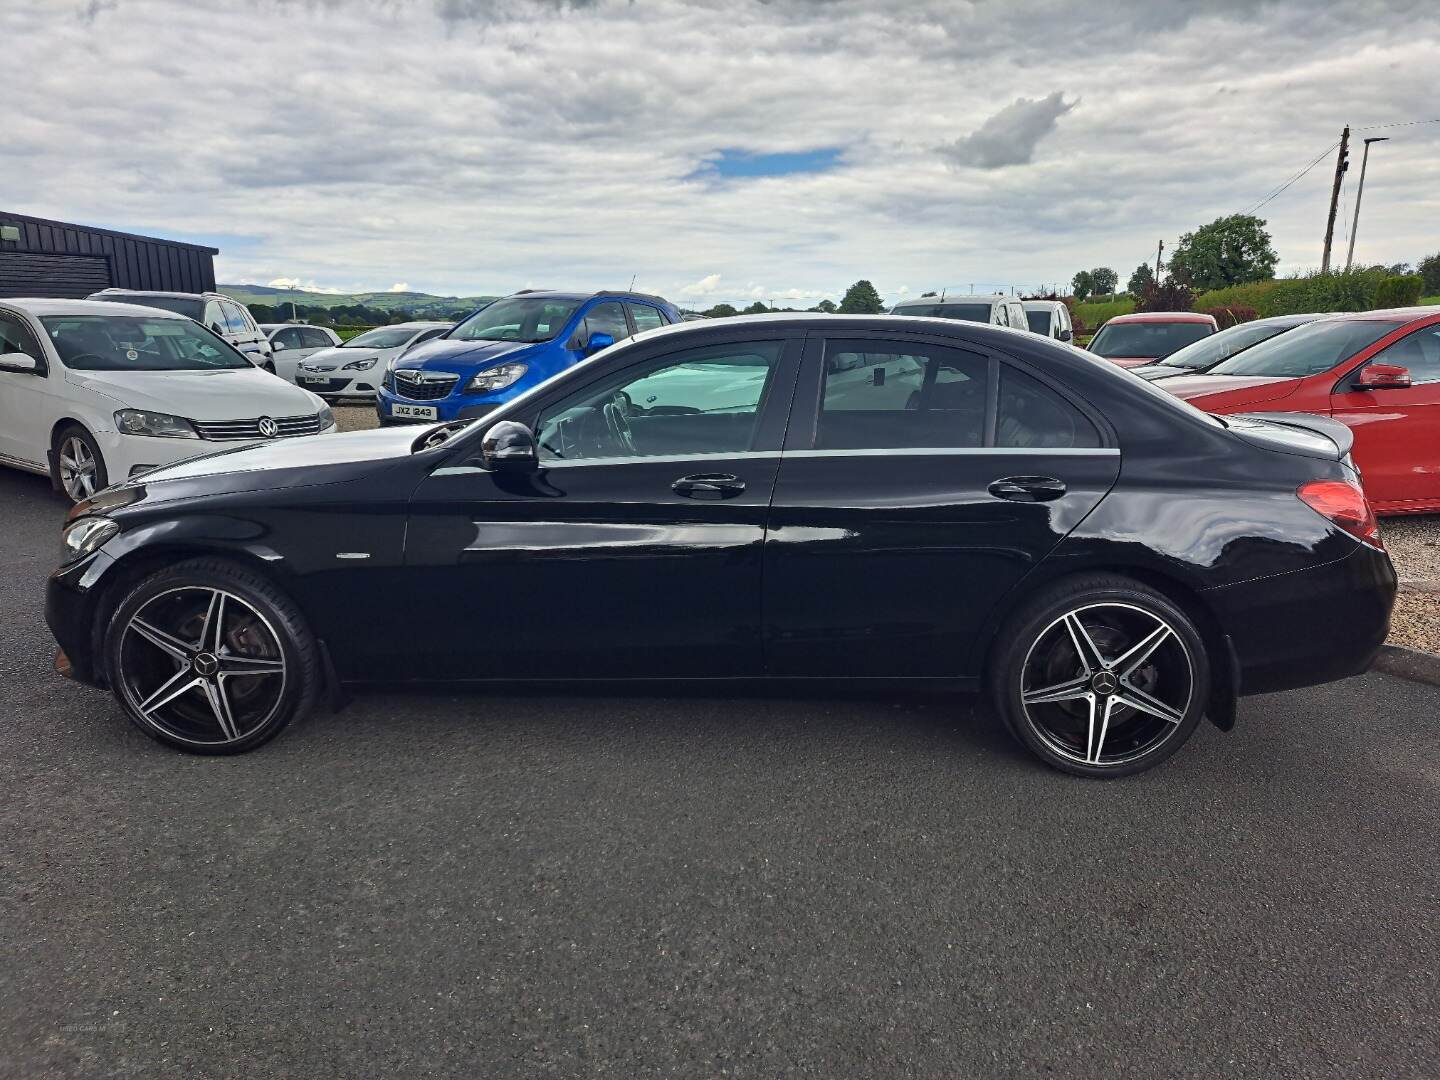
(506,348)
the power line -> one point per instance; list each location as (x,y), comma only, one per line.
(1401,123)
(1319,158)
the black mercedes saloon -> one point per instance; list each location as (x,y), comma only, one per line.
(802,497)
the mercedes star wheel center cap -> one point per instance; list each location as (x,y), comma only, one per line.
(1104,683)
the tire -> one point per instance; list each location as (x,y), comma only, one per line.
(1116,700)
(269,367)
(85,472)
(206,641)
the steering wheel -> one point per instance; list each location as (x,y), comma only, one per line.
(617,419)
(74,360)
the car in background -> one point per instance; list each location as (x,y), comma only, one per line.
(1377,372)
(1147,336)
(1209,351)
(356,367)
(92,393)
(982,509)
(992,308)
(226,317)
(1049,318)
(509,346)
(292,342)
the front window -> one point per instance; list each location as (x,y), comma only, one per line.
(1148,339)
(1209,351)
(963,312)
(1419,353)
(122,343)
(1308,350)
(702,401)
(529,319)
(382,337)
(1039,321)
(189,306)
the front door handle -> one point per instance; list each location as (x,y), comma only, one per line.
(1028,488)
(708,486)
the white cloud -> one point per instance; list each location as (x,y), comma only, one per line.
(400,286)
(484,144)
(296,283)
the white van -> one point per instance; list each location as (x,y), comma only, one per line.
(1050,318)
(994,309)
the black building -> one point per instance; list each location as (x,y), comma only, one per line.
(54,258)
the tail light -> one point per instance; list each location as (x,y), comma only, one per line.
(1345,504)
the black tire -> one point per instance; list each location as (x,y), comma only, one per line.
(1051,699)
(264,626)
(66,478)
(269,367)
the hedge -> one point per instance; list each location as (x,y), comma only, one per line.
(1230,315)
(1403,290)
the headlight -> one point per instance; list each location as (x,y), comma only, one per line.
(497,378)
(140,422)
(327,417)
(360,365)
(84,535)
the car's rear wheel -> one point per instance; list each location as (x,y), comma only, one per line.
(211,658)
(1101,676)
(79,465)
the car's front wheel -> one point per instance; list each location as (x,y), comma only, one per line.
(209,657)
(79,465)
(1101,676)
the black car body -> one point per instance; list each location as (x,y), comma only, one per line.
(899,493)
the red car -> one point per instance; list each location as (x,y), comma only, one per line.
(1143,338)
(1378,372)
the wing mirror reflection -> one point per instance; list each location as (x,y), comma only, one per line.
(509,446)
(1383,377)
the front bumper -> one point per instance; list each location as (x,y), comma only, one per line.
(337,384)
(71,614)
(127,455)
(1311,626)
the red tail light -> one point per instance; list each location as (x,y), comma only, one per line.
(1345,504)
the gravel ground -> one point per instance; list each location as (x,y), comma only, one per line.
(1414,544)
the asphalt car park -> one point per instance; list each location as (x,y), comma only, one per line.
(702,885)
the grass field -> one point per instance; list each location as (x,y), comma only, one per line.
(1094,314)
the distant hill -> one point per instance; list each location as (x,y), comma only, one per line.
(417,303)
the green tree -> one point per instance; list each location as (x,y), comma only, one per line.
(1229,251)
(1104,279)
(1429,269)
(1142,276)
(932,292)
(759,307)
(827,306)
(861,299)
(720,311)
(1082,285)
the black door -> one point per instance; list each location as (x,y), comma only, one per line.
(920,482)
(635,550)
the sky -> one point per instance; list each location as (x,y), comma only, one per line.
(716,150)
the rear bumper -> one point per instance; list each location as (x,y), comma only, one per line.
(1308,627)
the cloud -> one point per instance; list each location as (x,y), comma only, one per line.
(400,286)
(296,283)
(704,287)
(1011,135)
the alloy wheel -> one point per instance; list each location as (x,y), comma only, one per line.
(1107,683)
(77,468)
(202,666)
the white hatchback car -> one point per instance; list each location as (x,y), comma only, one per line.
(92,393)
(292,343)
(357,367)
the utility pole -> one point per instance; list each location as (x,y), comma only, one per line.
(1159,251)
(1359,191)
(1342,162)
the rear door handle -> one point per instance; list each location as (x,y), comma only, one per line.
(708,486)
(1028,488)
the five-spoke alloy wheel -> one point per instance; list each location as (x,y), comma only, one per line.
(1102,677)
(210,658)
(79,466)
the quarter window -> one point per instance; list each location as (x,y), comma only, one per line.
(701,401)
(1031,414)
(646,317)
(881,395)
(1420,352)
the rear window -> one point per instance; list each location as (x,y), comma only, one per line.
(1147,339)
(1039,321)
(190,307)
(1307,350)
(963,312)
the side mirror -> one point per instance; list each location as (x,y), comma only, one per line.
(1382,377)
(598,342)
(278,345)
(1066,335)
(509,446)
(19,361)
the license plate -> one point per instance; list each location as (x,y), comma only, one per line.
(417,412)
(312,379)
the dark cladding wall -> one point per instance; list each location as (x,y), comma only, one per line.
(54,258)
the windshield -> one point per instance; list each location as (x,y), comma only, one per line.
(517,318)
(1153,339)
(190,306)
(964,312)
(1307,350)
(1207,352)
(382,337)
(123,343)
(1039,321)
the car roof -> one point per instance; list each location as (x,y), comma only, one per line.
(1036,305)
(415,325)
(162,292)
(561,294)
(957,298)
(1406,314)
(1161,316)
(42,305)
